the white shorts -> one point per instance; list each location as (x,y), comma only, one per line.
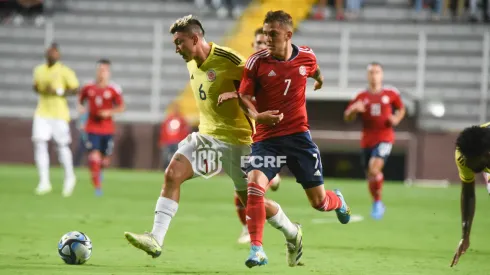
(43,129)
(210,156)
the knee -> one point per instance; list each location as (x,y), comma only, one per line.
(94,156)
(316,200)
(173,178)
(374,171)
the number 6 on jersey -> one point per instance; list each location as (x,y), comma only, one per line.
(288,81)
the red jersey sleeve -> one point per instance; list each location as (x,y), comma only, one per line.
(397,100)
(312,65)
(247,86)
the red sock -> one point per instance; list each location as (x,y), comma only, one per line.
(330,202)
(94,165)
(255,213)
(375,186)
(240,210)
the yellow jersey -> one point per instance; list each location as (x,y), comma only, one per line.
(218,74)
(467,175)
(54,77)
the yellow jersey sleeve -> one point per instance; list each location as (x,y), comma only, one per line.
(466,175)
(236,64)
(70,79)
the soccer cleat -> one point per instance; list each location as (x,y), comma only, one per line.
(295,248)
(244,236)
(343,213)
(43,188)
(68,187)
(145,242)
(256,257)
(98,192)
(378,210)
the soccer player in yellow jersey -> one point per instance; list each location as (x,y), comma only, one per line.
(224,135)
(53,81)
(472,156)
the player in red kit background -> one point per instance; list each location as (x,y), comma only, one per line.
(277,78)
(375,105)
(104,100)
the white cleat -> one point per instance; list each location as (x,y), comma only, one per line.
(244,236)
(43,188)
(68,187)
(294,251)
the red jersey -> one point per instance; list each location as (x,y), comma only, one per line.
(173,129)
(279,85)
(375,120)
(100,99)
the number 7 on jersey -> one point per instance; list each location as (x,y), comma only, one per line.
(288,81)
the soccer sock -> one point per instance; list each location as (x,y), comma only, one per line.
(240,210)
(66,159)
(255,213)
(375,186)
(281,222)
(94,164)
(41,157)
(164,212)
(330,202)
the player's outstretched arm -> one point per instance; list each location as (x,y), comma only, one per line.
(468,202)
(357,106)
(247,106)
(226,96)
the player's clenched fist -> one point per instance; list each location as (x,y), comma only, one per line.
(269,117)
(226,96)
(105,113)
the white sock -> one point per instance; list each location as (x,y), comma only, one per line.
(41,157)
(281,222)
(66,159)
(164,212)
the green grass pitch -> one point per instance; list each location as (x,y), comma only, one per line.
(417,236)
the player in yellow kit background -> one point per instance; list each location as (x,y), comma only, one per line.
(53,81)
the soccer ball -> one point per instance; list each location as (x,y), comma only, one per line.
(75,248)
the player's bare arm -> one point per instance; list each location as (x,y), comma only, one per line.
(271,117)
(398,116)
(468,202)
(351,112)
(319,79)
(226,96)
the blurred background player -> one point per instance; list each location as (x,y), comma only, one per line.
(277,78)
(375,104)
(258,44)
(213,70)
(472,156)
(104,100)
(173,129)
(53,81)
(82,138)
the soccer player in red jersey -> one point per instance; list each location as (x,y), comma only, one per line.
(375,104)
(277,77)
(104,100)
(258,44)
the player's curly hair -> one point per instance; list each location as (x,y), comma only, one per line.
(473,141)
(188,24)
(280,16)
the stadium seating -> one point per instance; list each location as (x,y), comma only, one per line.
(433,62)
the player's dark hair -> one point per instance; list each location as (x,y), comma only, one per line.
(188,24)
(374,63)
(259,31)
(473,141)
(279,16)
(104,61)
